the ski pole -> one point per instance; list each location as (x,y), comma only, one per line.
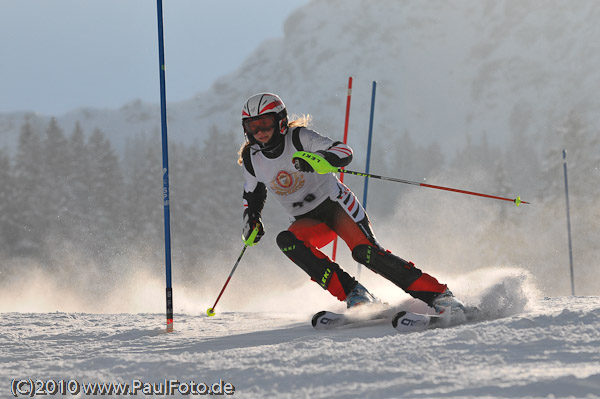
(321,166)
(248,243)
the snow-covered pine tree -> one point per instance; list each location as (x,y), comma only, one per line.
(79,185)
(220,197)
(186,208)
(582,142)
(56,176)
(143,206)
(9,226)
(29,193)
(106,188)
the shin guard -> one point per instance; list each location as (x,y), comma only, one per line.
(317,265)
(400,272)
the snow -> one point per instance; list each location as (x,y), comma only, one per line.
(531,347)
(261,341)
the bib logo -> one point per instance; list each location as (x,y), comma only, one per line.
(286,183)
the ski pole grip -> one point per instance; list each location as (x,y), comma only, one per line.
(317,162)
(250,241)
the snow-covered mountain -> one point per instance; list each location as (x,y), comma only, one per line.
(446,70)
(536,348)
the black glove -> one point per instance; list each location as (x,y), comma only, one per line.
(250,223)
(303,166)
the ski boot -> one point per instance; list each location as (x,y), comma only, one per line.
(447,301)
(360,296)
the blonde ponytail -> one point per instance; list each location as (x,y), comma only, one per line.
(300,121)
(243,148)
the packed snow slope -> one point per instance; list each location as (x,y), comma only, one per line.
(530,347)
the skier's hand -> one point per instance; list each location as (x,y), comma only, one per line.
(303,166)
(316,161)
(250,223)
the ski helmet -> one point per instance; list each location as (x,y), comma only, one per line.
(265,106)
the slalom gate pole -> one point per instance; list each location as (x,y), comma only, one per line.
(348,98)
(165,170)
(366,187)
(569,222)
(211,311)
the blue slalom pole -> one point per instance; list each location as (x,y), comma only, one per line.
(165,157)
(366,188)
(568,221)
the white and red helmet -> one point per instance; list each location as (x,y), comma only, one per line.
(264,105)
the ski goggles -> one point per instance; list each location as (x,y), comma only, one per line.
(254,125)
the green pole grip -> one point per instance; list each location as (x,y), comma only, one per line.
(250,241)
(318,163)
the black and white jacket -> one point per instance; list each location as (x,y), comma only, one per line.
(298,192)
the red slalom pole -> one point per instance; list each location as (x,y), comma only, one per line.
(345,142)
(347,118)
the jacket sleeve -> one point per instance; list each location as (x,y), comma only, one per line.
(254,201)
(255,192)
(336,153)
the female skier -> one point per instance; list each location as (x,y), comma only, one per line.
(320,205)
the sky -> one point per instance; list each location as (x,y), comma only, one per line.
(63,54)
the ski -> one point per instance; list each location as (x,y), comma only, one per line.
(326,320)
(405,321)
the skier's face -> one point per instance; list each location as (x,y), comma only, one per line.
(261,127)
(264,135)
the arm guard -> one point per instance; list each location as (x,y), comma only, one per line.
(338,155)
